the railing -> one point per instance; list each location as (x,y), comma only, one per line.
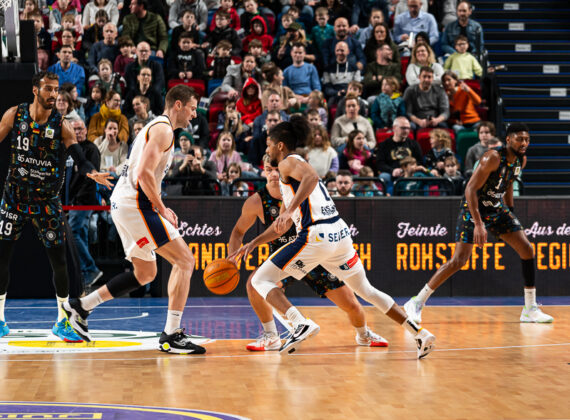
(423,186)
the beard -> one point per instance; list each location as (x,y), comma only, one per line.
(45,104)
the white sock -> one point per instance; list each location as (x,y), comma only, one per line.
(172,321)
(411,326)
(294,316)
(529,297)
(91,301)
(270,327)
(424,294)
(60,313)
(2,302)
(361,331)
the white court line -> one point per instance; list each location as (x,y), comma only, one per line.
(143,315)
(276,354)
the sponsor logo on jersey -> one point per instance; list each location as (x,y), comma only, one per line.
(142,242)
(22,172)
(50,235)
(350,263)
(517,170)
(23,126)
(337,236)
(49,133)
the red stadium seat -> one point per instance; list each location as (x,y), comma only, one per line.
(474,84)
(423,139)
(198,85)
(404,66)
(383,134)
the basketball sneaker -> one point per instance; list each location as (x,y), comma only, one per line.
(77,318)
(178,342)
(267,342)
(302,332)
(534,314)
(414,309)
(371,339)
(4,330)
(64,330)
(425,341)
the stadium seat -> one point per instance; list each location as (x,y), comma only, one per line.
(198,85)
(474,84)
(465,139)
(423,138)
(383,134)
(404,66)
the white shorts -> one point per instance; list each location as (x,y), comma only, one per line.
(328,245)
(141,230)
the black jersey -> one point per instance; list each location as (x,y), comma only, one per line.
(37,159)
(271,207)
(490,196)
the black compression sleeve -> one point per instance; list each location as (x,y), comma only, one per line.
(78,156)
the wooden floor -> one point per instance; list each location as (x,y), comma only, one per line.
(487,365)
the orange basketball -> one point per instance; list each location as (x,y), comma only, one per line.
(221,276)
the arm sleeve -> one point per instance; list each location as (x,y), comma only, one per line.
(79,158)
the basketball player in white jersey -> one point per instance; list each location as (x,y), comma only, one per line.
(323,238)
(146,225)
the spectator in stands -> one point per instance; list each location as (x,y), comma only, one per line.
(67,23)
(485,131)
(388,105)
(374,18)
(366,188)
(349,122)
(60,8)
(111,109)
(423,56)
(377,70)
(143,60)
(249,104)
(94,101)
(354,88)
(94,33)
(43,41)
(30,7)
(451,165)
(224,154)
(106,48)
(233,124)
(137,127)
(314,118)
(91,9)
(185,62)
(410,168)
(143,88)
(440,143)
(259,32)
(251,11)
(355,155)
(322,30)
(380,36)
(229,107)
(126,55)
(75,102)
(255,48)
(259,142)
(414,21)
(344,184)
(273,75)
(113,151)
(185,143)
(274,103)
(240,188)
(237,74)
(317,103)
(283,48)
(107,78)
(188,19)
(83,192)
(301,77)
(286,21)
(320,154)
(228,7)
(222,59)
(199,8)
(64,105)
(223,31)
(200,174)
(200,131)
(341,34)
(390,152)
(461,62)
(68,71)
(339,74)
(462,102)
(143,113)
(143,25)
(463,26)
(426,103)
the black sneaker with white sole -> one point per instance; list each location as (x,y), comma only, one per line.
(179,343)
(302,332)
(77,318)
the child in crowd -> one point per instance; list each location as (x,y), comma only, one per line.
(126,57)
(228,7)
(251,11)
(224,154)
(258,32)
(354,88)
(452,173)
(94,100)
(314,117)
(137,127)
(223,32)
(43,41)
(462,62)
(222,59)
(411,168)
(320,154)
(184,62)
(240,188)
(72,90)
(108,79)
(286,21)
(323,30)
(249,105)
(94,33)
(317,102)
(440,142)
(388,105)
(256,49)
(67,22)
(354,156)
(366,188)
(61,8)
(188,25)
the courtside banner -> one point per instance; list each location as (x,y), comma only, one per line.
(401,242)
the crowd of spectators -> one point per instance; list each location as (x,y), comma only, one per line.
(383,82)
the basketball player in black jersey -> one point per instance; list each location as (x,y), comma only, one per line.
(264,205)
(40,140)
(488,205)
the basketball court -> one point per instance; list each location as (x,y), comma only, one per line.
(486,364)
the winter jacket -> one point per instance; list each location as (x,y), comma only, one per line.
(253,109)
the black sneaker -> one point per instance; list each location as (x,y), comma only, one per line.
(77,318)
(179,343)
(302,332)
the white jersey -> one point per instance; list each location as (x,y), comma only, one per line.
(128,187)
(317,207)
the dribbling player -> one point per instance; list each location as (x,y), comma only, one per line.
(323,238)
(146,225)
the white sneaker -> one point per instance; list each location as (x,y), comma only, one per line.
(371,339)
(425,341)
(302,332)
(267,342)
(414,309)
(534,314)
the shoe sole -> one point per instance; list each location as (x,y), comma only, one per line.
(254,348)
(71,313)
(428,347)
(536,322)
(291,348)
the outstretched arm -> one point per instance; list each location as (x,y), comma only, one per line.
(250,211)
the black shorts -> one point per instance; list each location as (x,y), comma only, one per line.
(498,223)
(318,279)
(46,218)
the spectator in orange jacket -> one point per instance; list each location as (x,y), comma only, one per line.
(462,102)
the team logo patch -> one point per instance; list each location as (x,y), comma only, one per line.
(517,170)
(50,235)
(49,133)
(350,263)
(23,126)
(142,242)
(274,211)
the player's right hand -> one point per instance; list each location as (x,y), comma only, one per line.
(243,252)
(480,235)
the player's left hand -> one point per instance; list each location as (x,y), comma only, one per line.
(103,178)
(243,252)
